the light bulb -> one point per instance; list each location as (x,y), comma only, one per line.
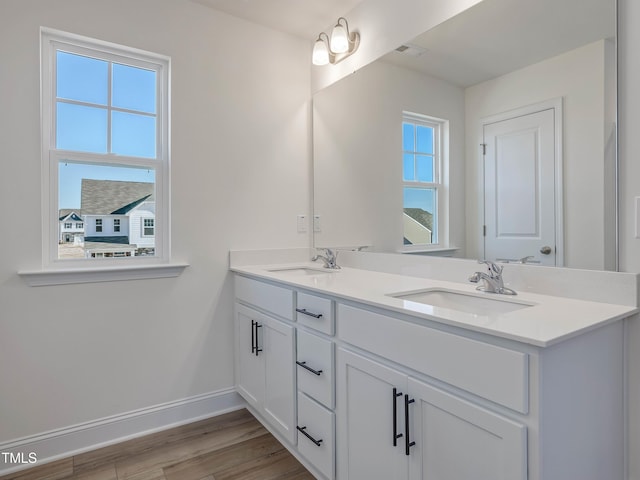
(320,54)
(339,39)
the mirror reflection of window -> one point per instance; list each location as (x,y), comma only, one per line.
(421,179)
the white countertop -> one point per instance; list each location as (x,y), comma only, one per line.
(547,321)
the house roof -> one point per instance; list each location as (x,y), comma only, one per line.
(105,197)
(130,206)
(70,214)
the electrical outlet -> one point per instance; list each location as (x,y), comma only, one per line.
(316,223)
(302,223)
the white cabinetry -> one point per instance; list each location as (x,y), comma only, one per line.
(472,407)
(455,440)
(359,392)
(396,427)
(265,374)
(315,365)
(370,416)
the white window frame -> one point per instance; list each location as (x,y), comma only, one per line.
(440,183)
(51,40)
(144,227)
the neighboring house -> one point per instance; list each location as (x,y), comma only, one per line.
(118,218)
(417,227)
(71,227)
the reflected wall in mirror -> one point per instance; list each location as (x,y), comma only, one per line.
(498,60)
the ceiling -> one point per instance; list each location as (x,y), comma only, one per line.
(495,37)
(302,18)
(465,50)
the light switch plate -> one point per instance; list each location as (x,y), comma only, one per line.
(302,223)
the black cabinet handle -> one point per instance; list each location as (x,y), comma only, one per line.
(396,435)
(304,365)
(256,327)
(253,337)
(407,443)
(302,430)
(305,312)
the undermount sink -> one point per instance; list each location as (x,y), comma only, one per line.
(300,271)
(479,304)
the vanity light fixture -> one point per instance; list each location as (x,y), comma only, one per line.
(335,49)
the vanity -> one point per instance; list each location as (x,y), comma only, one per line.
(364,373)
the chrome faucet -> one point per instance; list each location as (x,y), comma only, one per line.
(330,258)
(526,259)
(492,280)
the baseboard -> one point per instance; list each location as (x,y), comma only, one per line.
(65,442)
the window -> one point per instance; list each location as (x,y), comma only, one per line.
(148,227)
(79,225)
(105,142)
(422,182)
(67,225)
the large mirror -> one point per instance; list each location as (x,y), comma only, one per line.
(492,135)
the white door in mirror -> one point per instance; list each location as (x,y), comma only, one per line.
(520,186)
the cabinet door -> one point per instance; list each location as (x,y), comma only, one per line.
(249,365)
(276,340)
(457,440)
(365,418)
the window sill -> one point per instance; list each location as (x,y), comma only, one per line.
(39,278)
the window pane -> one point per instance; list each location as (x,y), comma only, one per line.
(425,139)
(408,141)
(419,216)
(424,168)
(111,201)
(81,78)
(81,128)
(408,167)
(134,88)
(133,135)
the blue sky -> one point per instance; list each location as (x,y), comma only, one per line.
(417,164)
(419,198)
(103,108)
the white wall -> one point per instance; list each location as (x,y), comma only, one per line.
(357,143)
(578,78)
(629,119)
(240,174)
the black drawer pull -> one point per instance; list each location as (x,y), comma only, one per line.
(305,312)
(253,336)
(302,430)
(407,443)
(256,327)
(304,365)
(396,435)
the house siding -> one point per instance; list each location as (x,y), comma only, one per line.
(145,210)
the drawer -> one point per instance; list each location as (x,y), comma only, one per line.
(489,371)
(315,312)
(277,300)
(316,434)
(315,367)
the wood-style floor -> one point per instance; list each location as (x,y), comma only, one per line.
(234,446)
